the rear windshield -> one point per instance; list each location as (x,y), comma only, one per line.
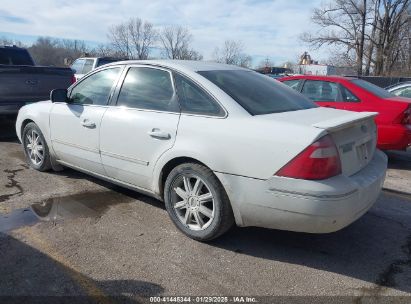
(13,56)
(372,88)
(104,61)
(256,93)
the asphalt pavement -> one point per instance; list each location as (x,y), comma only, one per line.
(68,234)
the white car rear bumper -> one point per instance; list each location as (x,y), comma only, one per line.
(306,206)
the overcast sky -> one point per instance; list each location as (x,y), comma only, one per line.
(267,28)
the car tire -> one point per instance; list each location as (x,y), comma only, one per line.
(197,202)
(35,148)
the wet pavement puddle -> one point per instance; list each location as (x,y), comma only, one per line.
(83,205)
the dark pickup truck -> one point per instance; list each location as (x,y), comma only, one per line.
(22,82)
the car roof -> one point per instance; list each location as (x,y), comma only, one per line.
(399,85)
(191,65)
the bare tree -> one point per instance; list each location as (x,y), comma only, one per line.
(133,39)
(176,42)
(7,41)
(232,53)
(375,31)
(391,33)
(342,23)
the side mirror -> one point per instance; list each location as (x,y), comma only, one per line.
(59,95)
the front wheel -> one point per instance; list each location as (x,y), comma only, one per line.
(197,202)
(35,148)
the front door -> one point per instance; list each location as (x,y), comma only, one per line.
(75,126)
(140,127)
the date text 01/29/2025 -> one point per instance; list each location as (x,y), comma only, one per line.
(235,299)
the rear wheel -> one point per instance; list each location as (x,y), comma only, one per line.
(197,202)
(35,148)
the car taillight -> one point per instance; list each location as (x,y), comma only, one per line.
(73,79)
(318,161)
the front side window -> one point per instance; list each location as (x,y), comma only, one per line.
(256,93)
(293,84)
(403,92)
(95,89)
(194,100)
(148,88)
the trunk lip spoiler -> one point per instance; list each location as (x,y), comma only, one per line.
(342,122)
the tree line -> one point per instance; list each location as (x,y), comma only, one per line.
(374,36)
(133,39)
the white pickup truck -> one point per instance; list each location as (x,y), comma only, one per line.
(83,65)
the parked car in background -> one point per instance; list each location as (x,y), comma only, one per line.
(394,113)
(217,143)
(401,89)
(22,82)
(83,65)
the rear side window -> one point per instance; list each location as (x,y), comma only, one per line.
(95,89)
(348,96)
(256,93)
(15,56)
(148,88)
(194,100)
(293,84)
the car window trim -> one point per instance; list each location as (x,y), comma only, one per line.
(70,89)
(120,83)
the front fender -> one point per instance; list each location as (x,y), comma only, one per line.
(39,113)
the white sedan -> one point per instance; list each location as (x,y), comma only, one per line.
(218,144)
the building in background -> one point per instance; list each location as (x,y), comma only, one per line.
(307,66)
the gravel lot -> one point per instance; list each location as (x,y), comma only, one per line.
(94,239)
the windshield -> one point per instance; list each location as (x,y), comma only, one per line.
(103,61)
(256,93)
(372,88)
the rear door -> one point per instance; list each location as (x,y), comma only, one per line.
(324,93)
(140,126)
(75,126)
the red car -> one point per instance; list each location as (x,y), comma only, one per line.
(393,121)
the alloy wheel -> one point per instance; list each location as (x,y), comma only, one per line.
(193,201)
(35,147)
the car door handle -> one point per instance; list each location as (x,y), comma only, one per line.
(88,124)
(157,133)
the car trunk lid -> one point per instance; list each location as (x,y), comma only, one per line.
(355,137)
(354,133)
